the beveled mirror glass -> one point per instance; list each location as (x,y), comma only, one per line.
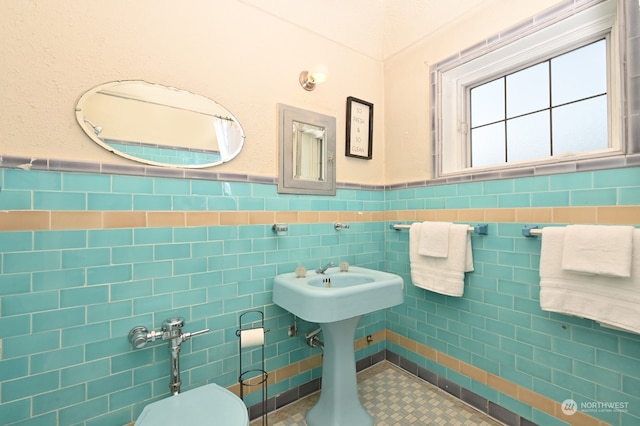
(307,152)
(159,125)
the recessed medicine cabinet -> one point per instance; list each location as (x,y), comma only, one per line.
(307,152)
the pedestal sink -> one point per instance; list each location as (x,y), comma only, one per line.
(336,300)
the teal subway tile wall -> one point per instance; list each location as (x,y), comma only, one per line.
(70,296)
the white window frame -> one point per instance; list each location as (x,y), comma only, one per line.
(453,78)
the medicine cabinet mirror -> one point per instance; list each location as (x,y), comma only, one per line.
(159,125)
(307,152)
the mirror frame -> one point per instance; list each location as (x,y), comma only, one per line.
(287,184)
(90,129)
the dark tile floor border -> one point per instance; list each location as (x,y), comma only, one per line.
(480,403)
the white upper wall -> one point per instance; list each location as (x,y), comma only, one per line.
(245,56)
(378,28)
(246,59)
(407,83)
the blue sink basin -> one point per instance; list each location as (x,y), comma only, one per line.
(334,295)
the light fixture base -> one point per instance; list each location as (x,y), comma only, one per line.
(306,81)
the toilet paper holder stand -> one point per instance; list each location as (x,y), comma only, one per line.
(253,376)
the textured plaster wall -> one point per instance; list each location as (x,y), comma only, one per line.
(406,84)
(245,59)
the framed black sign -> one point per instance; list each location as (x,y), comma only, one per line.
(359,129)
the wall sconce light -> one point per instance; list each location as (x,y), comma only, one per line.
(309,79)
(96,129)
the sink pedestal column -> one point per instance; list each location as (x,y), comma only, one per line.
(339,404)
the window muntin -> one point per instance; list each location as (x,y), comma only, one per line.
(557,107)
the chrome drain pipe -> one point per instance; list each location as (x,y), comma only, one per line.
(313,340)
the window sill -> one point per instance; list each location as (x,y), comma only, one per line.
(612,161)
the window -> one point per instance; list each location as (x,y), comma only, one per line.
(554,108)
(540,94)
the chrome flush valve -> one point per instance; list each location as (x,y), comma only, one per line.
(171,329)
(140,335)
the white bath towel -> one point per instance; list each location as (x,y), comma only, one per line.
(612,301)
(600,250)
(442,275)
(434,239)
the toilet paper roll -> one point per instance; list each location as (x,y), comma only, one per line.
(251,337)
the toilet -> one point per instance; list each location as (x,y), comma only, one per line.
(209,404)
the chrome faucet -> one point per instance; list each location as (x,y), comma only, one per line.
(171,330)
(322,270)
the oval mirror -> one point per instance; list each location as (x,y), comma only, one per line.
(159,125)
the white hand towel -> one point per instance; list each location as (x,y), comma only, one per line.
(608,300)
(600,250)
(434,239)
(438,274)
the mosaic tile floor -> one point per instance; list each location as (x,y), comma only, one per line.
(393,397)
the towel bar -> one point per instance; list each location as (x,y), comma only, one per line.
(482,229)
(531,231)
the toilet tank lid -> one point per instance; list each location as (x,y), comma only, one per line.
(209,404)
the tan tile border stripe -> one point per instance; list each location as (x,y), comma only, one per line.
(296,368)
(497,383)
(524,395)
(37,220)
(307,364)
(600,215)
